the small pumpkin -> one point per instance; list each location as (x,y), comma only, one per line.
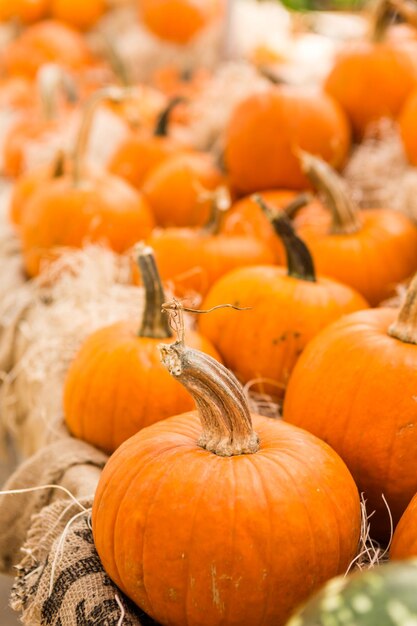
(404,540)
(384,596)
(26,11)
(354,388)
(77,13)
(192,515)
(266,129)
(81,207)
(130,389)
(372,250)
(288,306)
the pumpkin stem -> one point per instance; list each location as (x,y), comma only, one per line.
(405,326)
(299,260)
(59,165)
(220,202)
(108,94)
(52,80)
(220,400)
(383,15)
(345,214)
(300,201)
(161,128)
(154,322)
(117,63)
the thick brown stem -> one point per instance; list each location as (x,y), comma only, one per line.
(220,400)
(299,260)
(300,201)
(330,185)
(162,124)
(383,16)
(154,322)
(405,326)
(108,94)
(220,202)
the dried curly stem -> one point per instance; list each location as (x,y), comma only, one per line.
(405,326)
(345,214)
(162,123)
(154,322)
(220,399)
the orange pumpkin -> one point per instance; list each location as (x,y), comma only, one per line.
(177,21)
(45,42)
(175,189)
(266,129)
(192,520)
(78,13)
(27,11)
(404,540)
(139,153)
(371,250)
(354,387)
(131,389)
(288,308)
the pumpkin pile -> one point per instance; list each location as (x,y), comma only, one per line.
(207,512)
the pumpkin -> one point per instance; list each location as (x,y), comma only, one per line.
(175,189)
(384,596)
(130,389)
(16,93)
(354,388)
(404,540)
(372,79)
(27,11)
(44,42)
(177,21)
(266,128)
(192,260)
(77,13)
(78,208)
(192,516)
(139,153)
(371,250)
(288,306)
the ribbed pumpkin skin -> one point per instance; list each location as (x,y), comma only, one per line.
(102,210)
(117,385)
(265,129)
(354,387)
(404,541)
(374,260)
(372,81)
(198,539)
(382,596)
(285,314)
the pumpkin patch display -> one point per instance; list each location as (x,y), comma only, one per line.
(384,596)
(372,250)
(192,515)
(288,306)
(106,404)
(266,129)
(354,388)
(404,540)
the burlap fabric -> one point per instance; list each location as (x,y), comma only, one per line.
(60,580)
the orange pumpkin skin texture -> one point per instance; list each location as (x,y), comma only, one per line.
(354,387)
(406,123)
(202,543)
(404,541)
(77,13)
(266,129)
(47,41)
(27,11)
(177,21)
(174,187)
(372,81)
(103,209)
(286,313)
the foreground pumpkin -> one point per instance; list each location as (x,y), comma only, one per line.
(382,596)
(288,308)
(203,519)
(266,129)
(372,250)
(354,387)
(130,389)
(82,207)
(404,541)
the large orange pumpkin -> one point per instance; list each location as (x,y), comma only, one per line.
(266,130)
(288,308)
(206,524)
(371,250)
(130,389)
(354,387)
(404,541)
